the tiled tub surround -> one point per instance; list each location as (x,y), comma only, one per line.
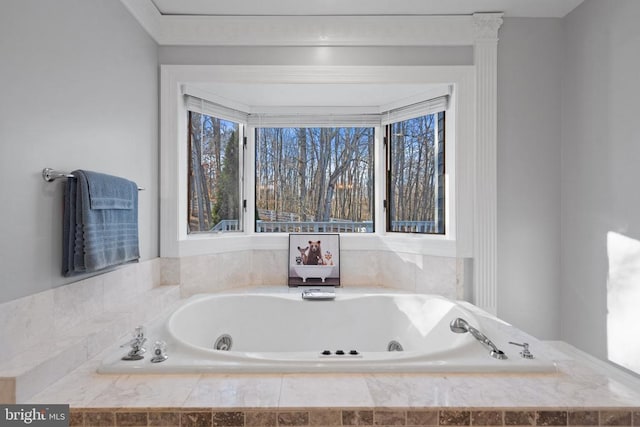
(47,335)
(582,383)
(363,268)
(583,391)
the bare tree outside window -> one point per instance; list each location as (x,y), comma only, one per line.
(314,179)
(214,190)
(416,175)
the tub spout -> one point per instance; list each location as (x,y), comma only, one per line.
(461,326)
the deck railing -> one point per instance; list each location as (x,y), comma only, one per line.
(341,226)
(314,227)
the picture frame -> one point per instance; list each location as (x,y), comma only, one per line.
(314,259)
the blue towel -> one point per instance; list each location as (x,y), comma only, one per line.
(100,222)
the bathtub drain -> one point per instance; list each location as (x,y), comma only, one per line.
(223,343)
(394,346)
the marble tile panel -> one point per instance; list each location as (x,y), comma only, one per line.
(7,390)
(519,418)
(388,417)
(169,271)
(228,418)
(413,391)
(231,391)
(269,268)
(76,418)
(293,418)
(616,418)
(347,390)
(77,388)
(583,418)
(25,322)
(156,274)
(357,417)
(586,388)
(120,288)
(77,301)
(325,417)
(216,272)
(148,274)
(422,418)
(360,268)
(99,418)
(131,419)
(436,275)
(233,270)
(146,391)
(486,418)
(196,419)
(451,417)
(158,418)
(551,418)
(195,276)
(398,270)
(261,419)
(56,366)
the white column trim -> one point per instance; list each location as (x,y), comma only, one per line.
(485,271)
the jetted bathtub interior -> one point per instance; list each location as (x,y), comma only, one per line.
(355,332)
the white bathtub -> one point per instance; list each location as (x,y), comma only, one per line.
(280,332)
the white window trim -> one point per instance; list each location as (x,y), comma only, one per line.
(458,240)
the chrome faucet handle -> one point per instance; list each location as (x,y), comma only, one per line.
(136,344)
(159,351)
(525,353)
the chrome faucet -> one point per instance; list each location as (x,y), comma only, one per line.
(319,294)
(460,326)
(137,350)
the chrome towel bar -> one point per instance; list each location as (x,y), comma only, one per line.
(50,175)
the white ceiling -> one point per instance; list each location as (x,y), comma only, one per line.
(511,8)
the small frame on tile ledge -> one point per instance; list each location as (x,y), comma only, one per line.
(314,259)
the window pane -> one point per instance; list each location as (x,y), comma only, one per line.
(214,190)
(416,178)
(314,180)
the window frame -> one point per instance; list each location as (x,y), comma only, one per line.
(240,165)
(175,242)
(305,126)
(388,140)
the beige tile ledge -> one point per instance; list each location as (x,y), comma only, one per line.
(581,383)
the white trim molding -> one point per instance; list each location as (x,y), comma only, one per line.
(362,30)
(485,272)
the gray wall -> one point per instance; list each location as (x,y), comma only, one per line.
(529,82)
(600,154)
(78,90)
